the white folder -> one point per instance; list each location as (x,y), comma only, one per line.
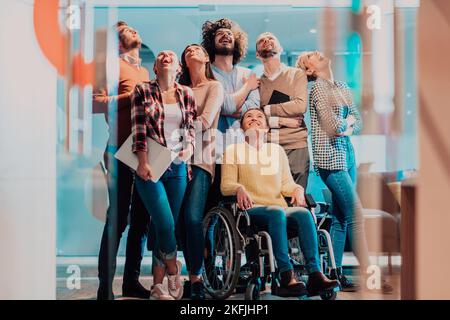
(159,157)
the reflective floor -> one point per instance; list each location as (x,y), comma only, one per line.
(87,267)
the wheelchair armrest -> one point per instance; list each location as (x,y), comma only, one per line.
(229,199)
(310,202)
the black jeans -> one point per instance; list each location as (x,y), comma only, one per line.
(190,224)
(121,196)
(214,194)
(299,164)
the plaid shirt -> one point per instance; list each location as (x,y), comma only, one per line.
(330,104)
(147,115)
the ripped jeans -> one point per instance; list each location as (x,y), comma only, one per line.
(163,201)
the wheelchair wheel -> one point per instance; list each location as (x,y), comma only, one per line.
(253,290)
(223,253)
(328,295)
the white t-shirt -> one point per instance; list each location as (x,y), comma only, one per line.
(172,123)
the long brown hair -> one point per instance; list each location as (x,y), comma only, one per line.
(185,77)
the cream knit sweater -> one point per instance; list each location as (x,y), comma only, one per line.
(264,173)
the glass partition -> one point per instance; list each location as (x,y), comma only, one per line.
(374,52)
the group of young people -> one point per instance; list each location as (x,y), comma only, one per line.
(234,134)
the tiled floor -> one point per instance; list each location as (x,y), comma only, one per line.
(67,289)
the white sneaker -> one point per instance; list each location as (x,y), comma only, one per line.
(158,292)
(174,283)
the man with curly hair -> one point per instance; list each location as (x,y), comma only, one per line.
(226,44)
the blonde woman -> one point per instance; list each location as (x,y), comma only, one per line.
(334,118)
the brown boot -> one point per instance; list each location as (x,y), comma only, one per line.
(318,283)
(288,289)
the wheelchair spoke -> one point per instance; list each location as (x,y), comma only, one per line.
(222,255)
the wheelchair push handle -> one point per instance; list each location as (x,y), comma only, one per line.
(310,202)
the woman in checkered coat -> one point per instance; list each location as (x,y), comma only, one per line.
(334,118)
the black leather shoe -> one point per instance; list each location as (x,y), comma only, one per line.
(186,290)
(346,284)
(135,290)
(318,283)
(197,291)
(104,294)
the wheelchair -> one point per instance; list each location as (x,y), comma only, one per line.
(229,234)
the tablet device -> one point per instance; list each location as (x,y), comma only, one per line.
(159,157)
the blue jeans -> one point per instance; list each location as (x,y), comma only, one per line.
(347,211)
(191,222)
(273,219)
(163,201)
(300,221)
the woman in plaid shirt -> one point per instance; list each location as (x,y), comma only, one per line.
(164,111)
(334,118)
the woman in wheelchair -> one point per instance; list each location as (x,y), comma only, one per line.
(258,173)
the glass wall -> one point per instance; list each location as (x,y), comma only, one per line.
(378,64)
